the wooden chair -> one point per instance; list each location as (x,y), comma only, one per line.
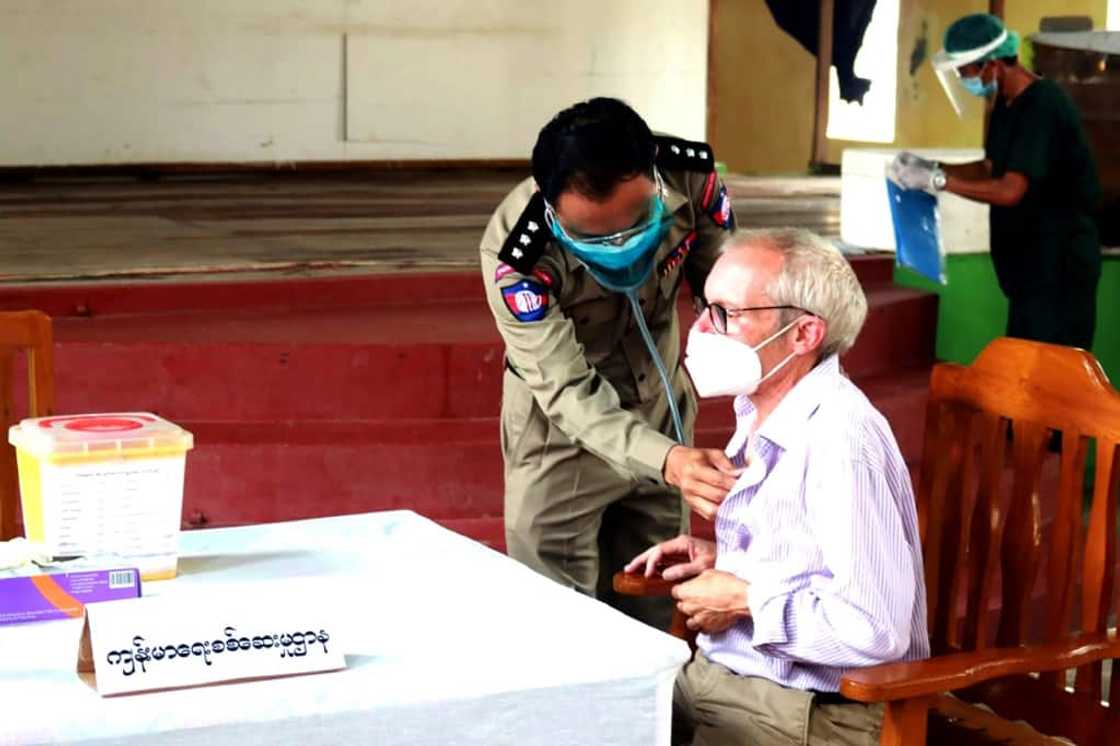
(30,332)
(1013,603)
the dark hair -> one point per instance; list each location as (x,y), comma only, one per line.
(1010,60)
(592,147)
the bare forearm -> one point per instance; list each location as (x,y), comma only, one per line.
(973,171)
(1005,192)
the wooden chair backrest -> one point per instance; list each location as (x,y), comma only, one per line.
(21,332)
(983,487)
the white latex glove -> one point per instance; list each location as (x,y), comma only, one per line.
(911,171)
(20,552)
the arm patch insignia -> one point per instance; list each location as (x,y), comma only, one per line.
(721,212)
(527,300)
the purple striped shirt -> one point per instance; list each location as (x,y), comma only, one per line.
(825,530)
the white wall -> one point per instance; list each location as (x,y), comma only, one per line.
(136,81)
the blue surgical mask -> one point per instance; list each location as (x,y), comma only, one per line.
(621,262)
(977,87)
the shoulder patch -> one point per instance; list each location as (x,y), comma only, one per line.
(527,300)
(720,210)
(526,242)
(675,154)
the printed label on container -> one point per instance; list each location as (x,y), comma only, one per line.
(127,507)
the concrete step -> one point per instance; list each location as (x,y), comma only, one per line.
(330,395)
(247,472)
(875,268)
(438,359)
(239,295)
(449,470)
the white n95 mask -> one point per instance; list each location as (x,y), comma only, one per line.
(722,366)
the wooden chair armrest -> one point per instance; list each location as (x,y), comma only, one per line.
(639,585)
(944,673)
(630,584)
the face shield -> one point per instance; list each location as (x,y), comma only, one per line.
(947,66)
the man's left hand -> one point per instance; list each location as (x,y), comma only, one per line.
(713,601)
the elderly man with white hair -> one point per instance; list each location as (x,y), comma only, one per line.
(817,566)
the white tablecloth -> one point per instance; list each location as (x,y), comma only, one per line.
(446,641)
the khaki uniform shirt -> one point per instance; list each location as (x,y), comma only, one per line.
(576,344)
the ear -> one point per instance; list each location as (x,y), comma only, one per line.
(809,334)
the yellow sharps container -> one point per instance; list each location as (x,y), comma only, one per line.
(101,484)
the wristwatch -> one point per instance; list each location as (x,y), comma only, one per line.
(937,178)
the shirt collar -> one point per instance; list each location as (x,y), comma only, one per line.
(785,425)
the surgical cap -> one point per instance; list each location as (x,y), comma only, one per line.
(977,31)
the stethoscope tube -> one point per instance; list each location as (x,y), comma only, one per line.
(631,293)
(678,425)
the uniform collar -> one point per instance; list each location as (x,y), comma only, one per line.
(786,424)
(674,199)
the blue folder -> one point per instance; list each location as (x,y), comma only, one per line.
(917,231)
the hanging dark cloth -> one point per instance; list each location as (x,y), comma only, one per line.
(801,20)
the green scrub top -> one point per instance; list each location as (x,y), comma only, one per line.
(1046,249)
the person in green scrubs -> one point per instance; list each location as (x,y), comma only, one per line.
(1039,177)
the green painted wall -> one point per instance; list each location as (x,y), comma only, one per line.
(973,311)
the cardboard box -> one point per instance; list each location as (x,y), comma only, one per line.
(62,595)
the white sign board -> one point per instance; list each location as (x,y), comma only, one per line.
(168,642)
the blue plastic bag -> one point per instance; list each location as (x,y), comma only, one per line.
(917,232)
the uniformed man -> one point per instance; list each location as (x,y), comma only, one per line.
(1039,178)
(587,428)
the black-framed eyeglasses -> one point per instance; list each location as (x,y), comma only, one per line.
(719,314)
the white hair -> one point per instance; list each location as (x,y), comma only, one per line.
(814,277)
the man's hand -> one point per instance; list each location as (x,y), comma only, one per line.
(911,171)
(686,557)
(713,601)
(703,475)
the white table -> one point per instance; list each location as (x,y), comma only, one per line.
(446,641)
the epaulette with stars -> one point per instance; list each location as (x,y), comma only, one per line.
(528,239)
(675,154)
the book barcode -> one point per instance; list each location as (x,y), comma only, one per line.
(121,579)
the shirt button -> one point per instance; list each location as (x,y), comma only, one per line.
(641,377)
